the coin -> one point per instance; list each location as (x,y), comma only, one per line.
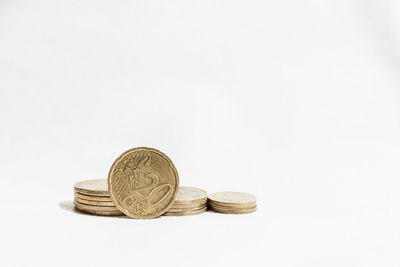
(94,208)
(93,198)
(186,213)
(250,206)
(185,209)
(231,207)
(95,203)
(188,206)
(190,194)
(100,213)
(143,183)
(232,198)
(234,211)
(97,187)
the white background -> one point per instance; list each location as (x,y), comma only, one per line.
(296,102)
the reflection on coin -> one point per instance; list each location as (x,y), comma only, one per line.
(93,198)
(93,208)
(97,187)
(100,213)
(190,194)
(143,183)
(186,213)
(235,198)
(95,203)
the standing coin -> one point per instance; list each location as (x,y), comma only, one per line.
(143,183)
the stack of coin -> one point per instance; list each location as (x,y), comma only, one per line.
(189,201)
(232,202)
(92,197)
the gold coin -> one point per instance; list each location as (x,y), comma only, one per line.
(97,187)
(99,213)
(188,195)
(94,208)
(234,211)
(93,198)
(232,198)
(250,206)
(186,213)
(143,183)
(95,203)
(211,205)
(232,206)
(189,209)
(192,206)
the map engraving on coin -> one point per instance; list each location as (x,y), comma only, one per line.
(143,183)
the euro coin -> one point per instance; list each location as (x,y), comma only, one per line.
(97,187)
(234,211)
(187,195)
(143,183)
(94,208)
(95,203)
(99,213)
(93,198)
(185,213)
(232,198)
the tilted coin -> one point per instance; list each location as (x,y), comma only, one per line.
(233,198)
(94,208)
(143,183)
(186,213)
(95,203)
(97,187)
(99,213)
(93,198)
(190,194)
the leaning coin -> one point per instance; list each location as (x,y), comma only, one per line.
(97,187)
(143,183)
(99,213)
(94,208)
(93,198)
(95,203)
(233,198)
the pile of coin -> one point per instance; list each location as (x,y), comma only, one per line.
(92,197)
(189,201)
(232,202)
(143,183)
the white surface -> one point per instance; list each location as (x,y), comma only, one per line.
(296,102)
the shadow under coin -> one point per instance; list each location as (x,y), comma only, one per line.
(68,206)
